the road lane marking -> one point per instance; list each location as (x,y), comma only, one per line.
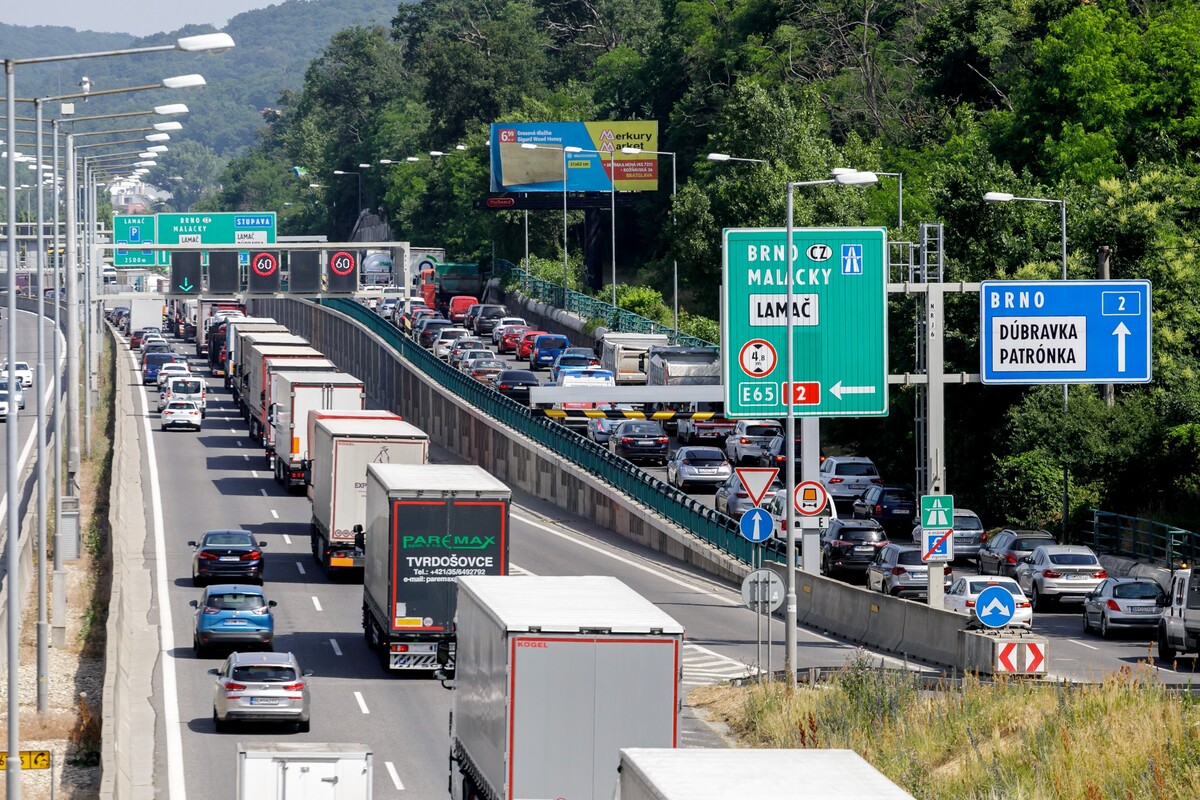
(391,768)
(361,703)
(233,430)
(239,443)
(317,603)
(300,567)
(275,514)
(1081,644)
(264,492)
(287,539)
(246,456)
(337,651)
(176,784)
(254,473)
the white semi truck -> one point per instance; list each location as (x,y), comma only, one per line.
(340,446)
(555,675)
(305,770)
(625,354)
(296,394)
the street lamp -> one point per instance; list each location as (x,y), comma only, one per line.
(723,157)
(566,270)
(633,151)
(1006,197)
(359,176)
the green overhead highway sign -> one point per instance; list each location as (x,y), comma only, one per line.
(134,230)
(251,228)
(839,322)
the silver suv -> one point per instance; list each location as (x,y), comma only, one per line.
(748,439)
(265,687)
(898,570)
(847,477)
(1059,571)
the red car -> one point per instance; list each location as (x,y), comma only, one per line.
(135,339)
(510,339)
(526,343)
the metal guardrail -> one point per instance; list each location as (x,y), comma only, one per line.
(707,523)
(588,307)
(1143,538)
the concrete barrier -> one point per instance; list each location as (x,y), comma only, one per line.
(887,624)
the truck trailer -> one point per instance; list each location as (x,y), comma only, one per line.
(256,395)
(555,675)
(304,770)
(685,366)
(206,310)
(706,774)
(218,340)
(247,358)
(426,526)
(340,446)
(233,333)
(296,394)
(625,354)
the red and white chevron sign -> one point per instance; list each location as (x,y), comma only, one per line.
(1021,658)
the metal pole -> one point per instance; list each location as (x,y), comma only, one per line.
(527,240)
(1102,255)
(675,261)
(86,260)
(900,212)
(612,183)
(1062,205)
(789,652)
(58,592)
(935,368)
(43,624)
(12,775)
(71,276)
(566,271)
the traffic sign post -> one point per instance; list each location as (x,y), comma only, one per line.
(937,512)
(1033,332)
(756,525)
(937,547)
(763,593)
(839,328)
(224,273)
(30,759)
(937,540)
(250,228)
(304,272)
(757,481)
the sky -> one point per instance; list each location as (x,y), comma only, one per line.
(121,16)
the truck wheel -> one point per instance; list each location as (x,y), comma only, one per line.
(1165,651)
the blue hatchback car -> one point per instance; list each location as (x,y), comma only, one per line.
(233,614)
(546,348)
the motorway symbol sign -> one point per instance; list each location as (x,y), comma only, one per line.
(762,591)
(937,511)
(839,321)
(810,498)
(756,525)
(937,546)
(995,606)
(1064,331)
(756,481)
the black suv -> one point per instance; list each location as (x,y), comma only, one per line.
(486,318)
(893,507)
(850,545)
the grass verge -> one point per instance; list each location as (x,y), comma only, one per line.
(1127,737)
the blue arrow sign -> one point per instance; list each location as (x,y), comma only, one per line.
(995,606)
(1064,332)
(756,525)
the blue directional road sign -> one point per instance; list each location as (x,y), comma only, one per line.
(937,546)
(1064,331)
(756,525)
(995,606)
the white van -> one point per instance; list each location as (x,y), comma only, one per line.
(190,387)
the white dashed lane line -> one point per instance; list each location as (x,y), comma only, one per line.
(362,704)
(317,603)
(337,651)
(274,513)
(300,567)
(391,768)
(286,539)
(264,491)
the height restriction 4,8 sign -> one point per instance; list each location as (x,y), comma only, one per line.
(839,322)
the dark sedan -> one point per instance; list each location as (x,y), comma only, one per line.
(227,555)
(515,383)
(640,440)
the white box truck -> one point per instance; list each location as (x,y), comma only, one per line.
(245,345)
(555,675)
(262,362)
(221,340)
(625,354)
(145,312)
(426,526)
(233,336)
(340,446)
(703,774)
(296,394)
(304,770)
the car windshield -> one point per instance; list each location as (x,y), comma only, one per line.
(979,586)
(181,406)
(574,361)
(1073,559)
(909,557)
(761,430)
(515,375)
(706,457)
(553,342)
(904,496)
(185,387)
(264,673)
(641,429)
(484,363)
(860,535)
(967,523)
(236,601)
(227,539)
(855,468)
(1028,544)
(1137,591)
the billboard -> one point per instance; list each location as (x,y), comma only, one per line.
(516,168)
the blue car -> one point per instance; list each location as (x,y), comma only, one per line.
(233,614)
(546,348)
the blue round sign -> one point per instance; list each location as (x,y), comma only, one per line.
(995,606)
(756,525)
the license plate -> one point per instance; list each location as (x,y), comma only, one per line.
(961,537)
(264,701)
(703,471)
(1143,609)
(230,558)
(1076,577)
(867,549)
(235,622)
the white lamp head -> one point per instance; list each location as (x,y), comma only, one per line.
(184,82)
(997,197)
(856,178)
(158,137)
(171,109)
(717,156)
(168,126)
(205,43)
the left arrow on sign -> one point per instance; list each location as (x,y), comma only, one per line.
(837,390)
(1120,332)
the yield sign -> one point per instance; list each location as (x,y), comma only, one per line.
(757,480)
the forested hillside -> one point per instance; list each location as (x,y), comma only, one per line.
(1094,103)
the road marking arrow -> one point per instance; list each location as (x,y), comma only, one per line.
(1120,332)
(1035,657)
(186,286)
(1005,652)
(837,390)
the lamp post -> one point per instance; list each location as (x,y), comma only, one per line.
(357,175)
(1005,197)
(206,42)
(723,157)
(632,151)
(566,269)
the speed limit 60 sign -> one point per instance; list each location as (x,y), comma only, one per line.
(263,277)
(341,272)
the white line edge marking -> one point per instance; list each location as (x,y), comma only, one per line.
(362,704)
(337,651)
(25,452)
(317,603)
(166,633)
(1081,644)
(391,768)
(286,539)
(275,514)
(300,567)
